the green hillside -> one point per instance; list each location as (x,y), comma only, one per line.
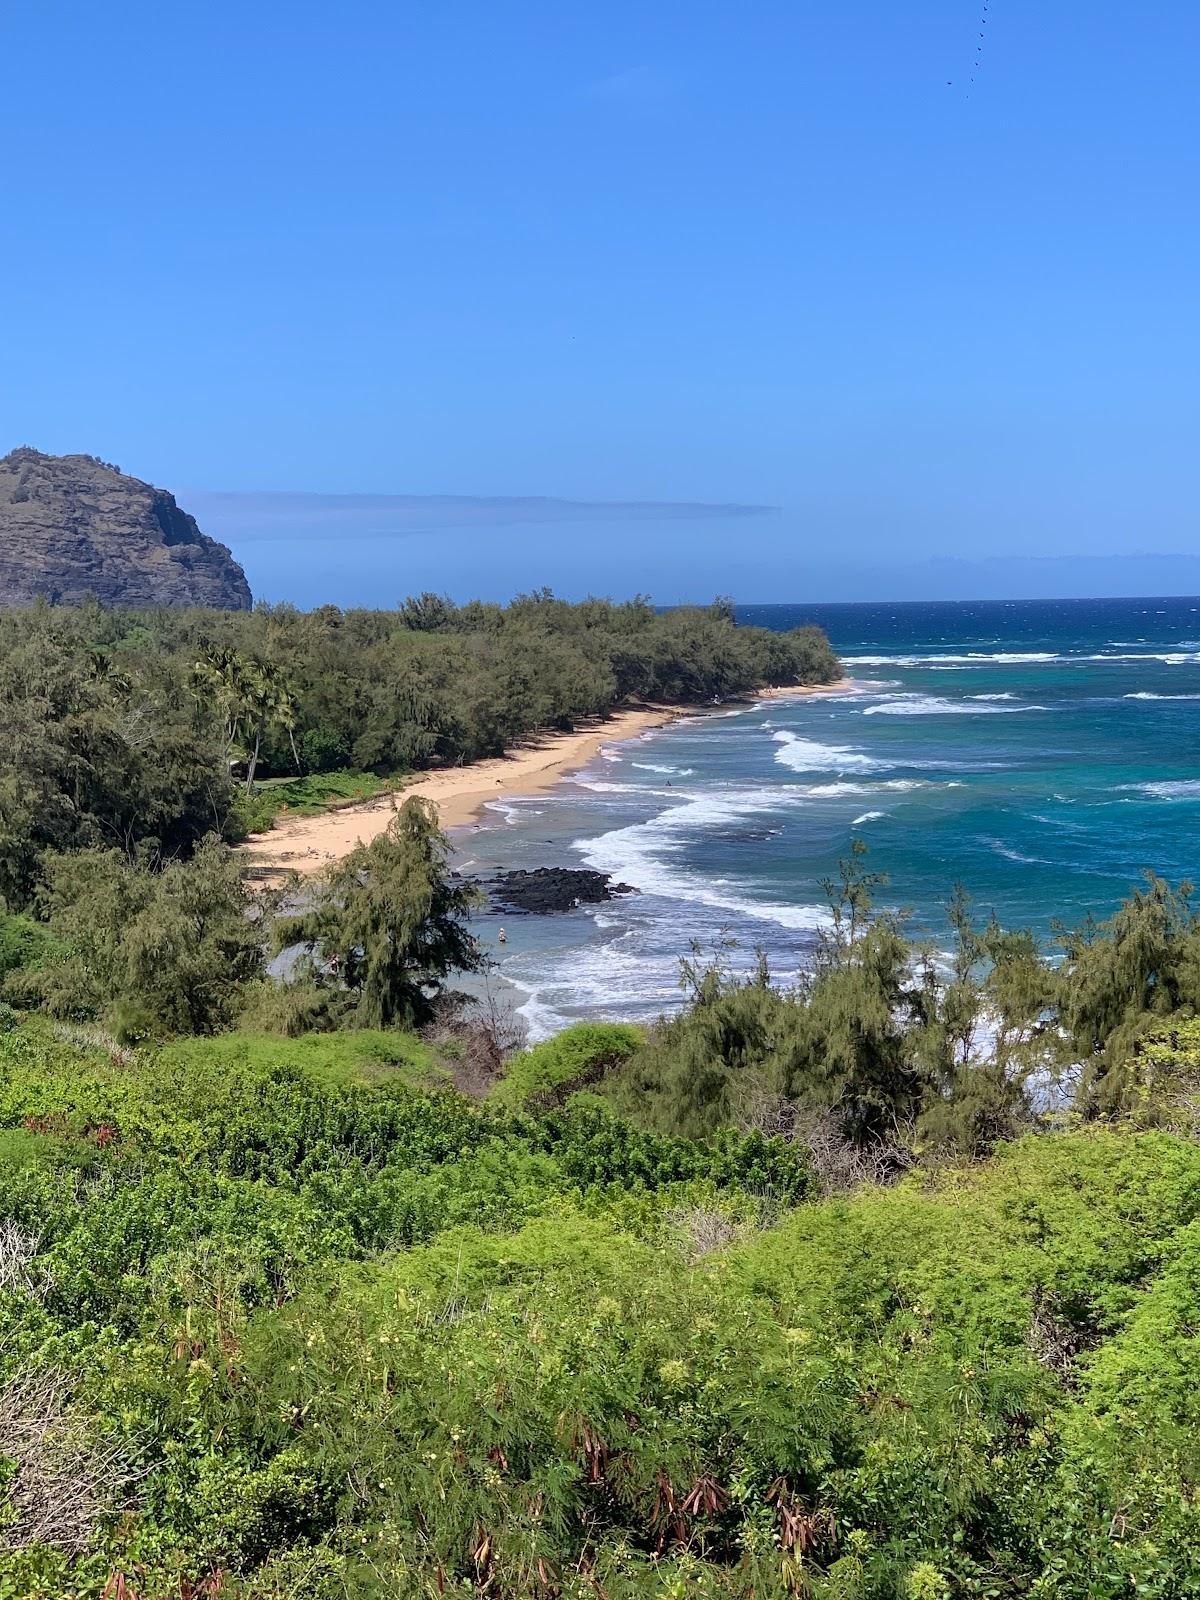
(289,1318)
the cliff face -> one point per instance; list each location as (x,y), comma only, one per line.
(72,526)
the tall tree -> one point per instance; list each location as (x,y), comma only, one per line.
(390,922)
(151,948)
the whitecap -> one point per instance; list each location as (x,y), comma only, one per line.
(1172,658)
(641,791)
(1175,789)
(973,658)
(928,705)
(868,816)
(821,791)
(809,755)
(640,854)
(1146,694)
(1010,854)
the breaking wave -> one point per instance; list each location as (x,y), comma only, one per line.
(930,705)
(809,755)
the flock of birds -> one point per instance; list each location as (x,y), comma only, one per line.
(977,62)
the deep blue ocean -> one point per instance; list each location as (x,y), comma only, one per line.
(1045,754)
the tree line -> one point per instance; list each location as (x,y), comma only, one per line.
(148,730)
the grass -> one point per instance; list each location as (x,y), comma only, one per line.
(367,1058)
(323,791)
(309,796)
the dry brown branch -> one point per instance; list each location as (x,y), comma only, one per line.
(67,1478)
(702,1230)
(94,1039)
(482,1031)
(840,1165)
(18,1251)
(1053,1343)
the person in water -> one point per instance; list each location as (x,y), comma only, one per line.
(502,937)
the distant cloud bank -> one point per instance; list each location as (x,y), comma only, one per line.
(287,515)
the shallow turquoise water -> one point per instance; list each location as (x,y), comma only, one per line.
(1044,754)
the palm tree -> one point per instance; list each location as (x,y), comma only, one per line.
(252,695)
(222,671)
(269,699)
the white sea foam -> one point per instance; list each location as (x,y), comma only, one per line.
(1146,694)
(541,1020)
(641,855)
(822,791)
(867,816)
(1004,696)
(510,811)
(929,705)
(1010,854)
(809,755)
(981,658)
(1176,789)
(642,791)
(1173,658)
(973,658)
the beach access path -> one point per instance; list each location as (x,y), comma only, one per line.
(308,844)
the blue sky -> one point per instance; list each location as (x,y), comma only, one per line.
(779,302)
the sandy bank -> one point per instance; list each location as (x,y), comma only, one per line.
(306,844)
(798,691)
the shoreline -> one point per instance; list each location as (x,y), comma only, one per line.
(307,845)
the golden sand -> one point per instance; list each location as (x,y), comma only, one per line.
(307,844)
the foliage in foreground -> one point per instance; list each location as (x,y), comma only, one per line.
(883,1046)
(305,1327)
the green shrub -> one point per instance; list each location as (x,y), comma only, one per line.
(363,1336)
(25,943)
(577,1058)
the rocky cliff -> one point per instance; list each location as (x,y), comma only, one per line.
(73,526)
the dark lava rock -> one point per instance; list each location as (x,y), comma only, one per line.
(73,526)
(547,889)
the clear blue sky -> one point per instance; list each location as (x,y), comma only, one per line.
(759,254)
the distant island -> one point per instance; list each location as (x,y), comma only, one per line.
(74,527)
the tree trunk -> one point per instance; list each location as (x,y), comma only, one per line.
(250,770)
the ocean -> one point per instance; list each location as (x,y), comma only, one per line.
(1044,754)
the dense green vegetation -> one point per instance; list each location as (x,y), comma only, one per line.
(128,729)
(880,1050)
(714,1308)
(288,1319)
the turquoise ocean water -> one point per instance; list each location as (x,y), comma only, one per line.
(1044,754)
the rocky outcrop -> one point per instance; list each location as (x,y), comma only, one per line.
(73,526)
(547,889)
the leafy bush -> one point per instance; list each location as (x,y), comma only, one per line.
(577,1058)
(362,1336)
(24,943)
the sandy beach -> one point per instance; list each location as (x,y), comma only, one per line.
(308,844)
